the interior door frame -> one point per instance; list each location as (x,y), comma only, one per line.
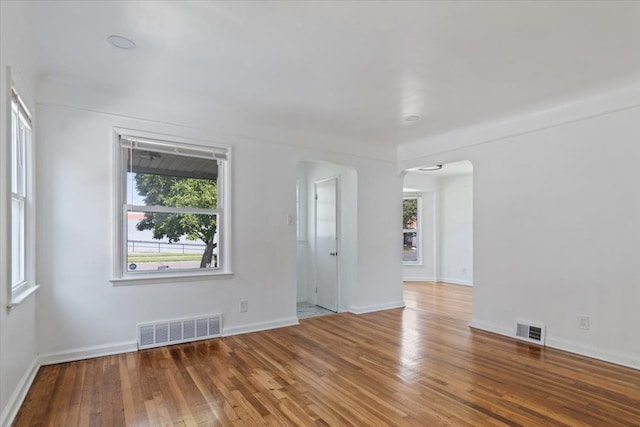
(338,240)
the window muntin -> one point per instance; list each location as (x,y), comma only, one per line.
(20,151)
(173,207)
(411,230)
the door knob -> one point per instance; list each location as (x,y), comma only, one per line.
(333,253)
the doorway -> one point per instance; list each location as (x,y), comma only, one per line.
(327,243)
(438,224)
(327,237)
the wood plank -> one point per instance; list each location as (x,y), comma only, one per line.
(421,365)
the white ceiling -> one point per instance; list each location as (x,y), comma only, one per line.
(345,70)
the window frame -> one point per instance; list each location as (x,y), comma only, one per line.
(417,230)
(121,275)
(21,190)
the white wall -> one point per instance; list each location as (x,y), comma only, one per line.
(447,228)
(85,314)
(18,338)
(556,232)
(456,229)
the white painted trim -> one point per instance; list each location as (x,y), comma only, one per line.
(455,281)
(376,307)
(129,346)
(617,358)
(17,397)
(87,353)
(419,279)
(260,326)
(509,332)
(18,299)
(185,276)
(568,346)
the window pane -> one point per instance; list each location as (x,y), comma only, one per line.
(26,143)
(17,242)
(162,179)
(20,165)
(20,134)
(145,189)
(410,213)
(410,246)
(171,241)
(14,150)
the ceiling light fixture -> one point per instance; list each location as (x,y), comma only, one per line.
(121,42)
(411,118)
(431,168)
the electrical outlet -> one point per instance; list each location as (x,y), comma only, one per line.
(583,322)
(244,306)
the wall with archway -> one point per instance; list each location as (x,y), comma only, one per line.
(446,224)
(556,208)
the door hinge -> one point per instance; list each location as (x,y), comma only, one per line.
(316,196)
(316,290)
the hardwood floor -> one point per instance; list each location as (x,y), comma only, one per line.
(418,366)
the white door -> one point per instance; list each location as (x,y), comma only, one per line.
(327,244)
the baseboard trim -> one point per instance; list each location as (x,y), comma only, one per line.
(128,346)
(17,397)
(508,332)
(438,280)
(377,307)
(455,281)
(261,326)
(616,358)
(87,353)
(419,279)
(570,347)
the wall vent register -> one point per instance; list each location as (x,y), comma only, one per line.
(530,332)
(177,331)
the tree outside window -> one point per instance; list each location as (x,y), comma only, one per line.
(411,232)
(172,206)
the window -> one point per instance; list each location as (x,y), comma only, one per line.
(20,194)
(172,207)
(411,233)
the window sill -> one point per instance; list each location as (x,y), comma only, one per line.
(151,279)
(413,264)
(21,296)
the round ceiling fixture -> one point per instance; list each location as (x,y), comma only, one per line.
(431,168)
(411,118)
(121,42)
